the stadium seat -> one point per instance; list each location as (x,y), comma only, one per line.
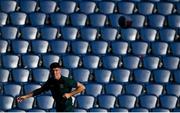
(58,46)
(154,89)
(12,89)
(148,34)
(87,7)
(79,110)
(30,60)
(37,18)
(3,18)
(106,101)
(90,61)
(28,6)
(142,75)
(173,21)
(17,110)
(168,101)
(161,76)
(71,61)
(131,62)
(79,47)
(85,101)
(9,32)
(6,102)
(139,48)
(113,89)
(178,8)
(5,74)
(102,75)
(37,110)
(78,19)
(114,19)
(20,46)
(10,61)
(65,72)
(175,48)
(176,75)
(48,59)
(133,89)
(106,7)
(39,46)
(156,20)
(20,75)
(18,18)
(126,7)
(40,75)
(30,87)
(145,8)
(167,34)
(69,33)
(119,47)
(26,104)
(88,33)
(29,32)
(93,89)
(48,33)
(97,20)
(3,46)
(126,101)
(58,19)
(138,20)
(151,62)
(47,6)
(165,8)
(81,75)
(121,75)
(45,102)
(170,62)
(160,110)
(173,89)
(108,34)
(119,110)
(97,109)
(110,62)
(8,6)
(139,109)
(159,48)
(148,101)
(99,47)
(67,7)
(129,34)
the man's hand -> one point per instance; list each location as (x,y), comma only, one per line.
(67,95)
(21,98)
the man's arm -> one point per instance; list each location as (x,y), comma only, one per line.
(80,87)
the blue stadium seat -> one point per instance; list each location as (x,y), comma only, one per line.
(85,101)
(17,110)
(90,61)
(108,33)
(154,89)
(160,110)
(71,61)
(148,101)
(161,75)
(139,109)
(58,46)
(148,34)
(12,89)
(131,62)
(81,75)
(36,110)
(97,20)
(151,62)
(167,34)
(4,75)
(159,48)
(20,75)
(18,18)
(106,101)
(28,6)
(178,7)
(173,89)
(114,19)
(65,72)
(48,33)
(20,46)
(78,19)
(138,20)
(173,21)
(113,89)
(9,32)
(145,8)
(106,7)
(3,46)
(119,47)
(79,47)
(67,7)
(139,48)
(8,6)
(93,89)
(6,102)
(126,101)
(126,7)
(165,8)
(3,18)
(170,62)
(30,60)
(99,47)
(69,33)
(26,104)
(87,7)
(119,110)
(168,101)
(30,87)
(58,19)
(121,75)
(110,62)
(102,76)
(10,61)
(48,59)
(39,46)
(129,34)
(176,76)
(97,109)
(142,75)
(79,110)
(47,6)
(156,20)
(88,33)
(175,48)
(45,102)
(40,75)
(37,18)
(29,32)
(133,89)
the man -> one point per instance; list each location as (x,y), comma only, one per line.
(61,88)
(124,22)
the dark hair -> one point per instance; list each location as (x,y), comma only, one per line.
(122,21)
(55,65)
